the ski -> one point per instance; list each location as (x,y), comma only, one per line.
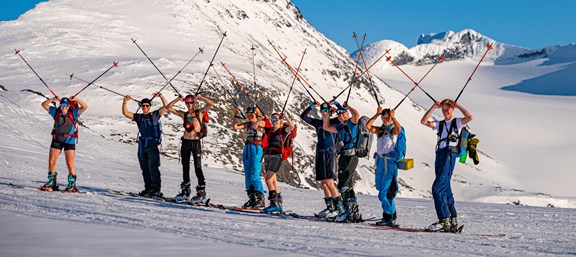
(40,188)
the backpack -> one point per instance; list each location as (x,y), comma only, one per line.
(74,121)
(157,127)
(205,119)
(287,143)
(400,145)
(364,139)
(462,137)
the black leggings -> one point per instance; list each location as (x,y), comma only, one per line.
(193,147)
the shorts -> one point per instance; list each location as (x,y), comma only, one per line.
(59,145)
(325,166)
(272,162)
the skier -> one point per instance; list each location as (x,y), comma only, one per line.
(347,131)
(386,167)
(191,145)
(64,136)
(447,150)
(273,154)
(325,163)
(252,155)
(149,139)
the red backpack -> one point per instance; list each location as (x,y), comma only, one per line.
(287,143)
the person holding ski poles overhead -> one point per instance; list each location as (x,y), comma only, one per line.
(273,157)
(347,131)
(325,163)
(64,136)
(149,139)
(386,166)
(447,150)
(252,155)
(193,123)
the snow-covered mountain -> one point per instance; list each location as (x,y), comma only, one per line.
(466,44)
(65,36)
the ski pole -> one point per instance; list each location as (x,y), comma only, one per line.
(153,64)
(440,58)
(46,85)
(72,76)
(361,74)
(211,61)
(415,83)
(488,48)
(364,63)
(232,96)
(300,78)
(355,68)
(114,64)
(293,81)
(242,88)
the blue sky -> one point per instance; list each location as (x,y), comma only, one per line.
(527,23)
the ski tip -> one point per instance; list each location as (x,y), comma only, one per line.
(115,64)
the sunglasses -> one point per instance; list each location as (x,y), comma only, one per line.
(145,105)
(274,120)
(64,105)
(341,112)
(250,110)
(190,102)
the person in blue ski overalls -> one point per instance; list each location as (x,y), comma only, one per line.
(386,166)
(447,151)
(252,155)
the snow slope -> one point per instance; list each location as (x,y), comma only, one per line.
(64,36)
(511,104)
(96,224)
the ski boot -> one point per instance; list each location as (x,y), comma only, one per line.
(251,203)
(184,194)
(155,192)
(71,188)
(330,207)
(338,208)
(260,202)
(453,224)
(388,220)
(52,184)
(441,225)
(200,196)
(275,203)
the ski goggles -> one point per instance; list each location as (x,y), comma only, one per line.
(341,111)
(273,120)
(64,104)
(250,110)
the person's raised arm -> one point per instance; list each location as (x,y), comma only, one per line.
(209,103)
(467,116)
(290,126)
(426,118)
(125,111)
(235,124)
(326,123)
(83,105)
(164,103)
(369,125)
(306,112)
(46,104)
(355,114)
(397,127)
(170,107)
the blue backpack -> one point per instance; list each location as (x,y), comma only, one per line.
(400,148)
